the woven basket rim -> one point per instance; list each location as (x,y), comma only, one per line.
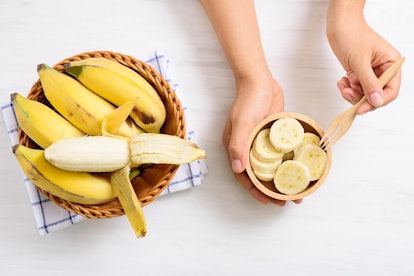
(174,125)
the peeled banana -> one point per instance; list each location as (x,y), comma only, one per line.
(89,154)
(78,187)
(108,154)
(119,84)
(43,125)
(80,106)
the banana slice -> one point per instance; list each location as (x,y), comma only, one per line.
(314,158)
(286,134)
(308,138)
(292,177)
(264,176)
(263,149)
(263,167)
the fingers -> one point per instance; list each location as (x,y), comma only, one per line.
(370,84)
(352,89)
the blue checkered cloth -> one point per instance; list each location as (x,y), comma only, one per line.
(49,217)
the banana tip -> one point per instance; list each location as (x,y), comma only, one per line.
(41,66)
(142,234)
(13,96)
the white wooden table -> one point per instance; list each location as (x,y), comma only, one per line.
(361,221)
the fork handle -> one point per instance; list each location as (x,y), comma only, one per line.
(360,102)
(391,71)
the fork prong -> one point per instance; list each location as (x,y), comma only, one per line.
(331,136)
(324,144)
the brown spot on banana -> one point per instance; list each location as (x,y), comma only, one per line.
(144,117)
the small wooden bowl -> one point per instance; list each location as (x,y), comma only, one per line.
(268,187)
(153,180)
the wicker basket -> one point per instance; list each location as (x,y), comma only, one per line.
(154,179)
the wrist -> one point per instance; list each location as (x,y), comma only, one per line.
(344,13)
(253,78)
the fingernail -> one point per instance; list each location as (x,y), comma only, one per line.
(236,165)
(375,99)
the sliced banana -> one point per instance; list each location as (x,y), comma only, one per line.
(292,177)
(314,158)
(264,176)
(308,138)
(263,167)
(286,134)
(263,149)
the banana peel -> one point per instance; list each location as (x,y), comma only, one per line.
(114,120)
(123,189)
(121,179)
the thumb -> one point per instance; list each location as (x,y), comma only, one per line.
(237,147)
(370,85)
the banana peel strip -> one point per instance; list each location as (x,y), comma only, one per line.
(121,179)
(129,201)
(114,120)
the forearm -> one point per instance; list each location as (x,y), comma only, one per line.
(236,27)
(344,12)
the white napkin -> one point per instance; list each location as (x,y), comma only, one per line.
(49,217)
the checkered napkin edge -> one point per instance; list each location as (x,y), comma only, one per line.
(49,217)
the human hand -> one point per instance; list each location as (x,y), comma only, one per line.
(364,55)
(255,100)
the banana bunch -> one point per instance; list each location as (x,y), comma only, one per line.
(100,130)
(119,84)
(79,105)
(116,156)
(288,156)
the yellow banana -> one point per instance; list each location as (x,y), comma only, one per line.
(77,187)
(43,125)
(80,106)
(119,84)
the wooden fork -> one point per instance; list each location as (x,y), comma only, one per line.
(343,121)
